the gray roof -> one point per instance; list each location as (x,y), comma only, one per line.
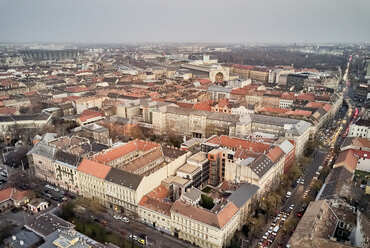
(67,158)
(300,127)
(245,192)
(219,89)
(68,235)
(47,223)
(124,178)
(261,165)
(28,117)
(286,146)
(193,194)
(43,150)
(209,115)
(271,120)
(28,238)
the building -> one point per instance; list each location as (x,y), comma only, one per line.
(329,223)
(12,197)
(214,72)
(23,239)
(189,122)
(206,228)
(37,205)
(84,103)
(155,209)
(242,198)
(94,132)
(91,180)
(298,131)
(12,123)
(360,129)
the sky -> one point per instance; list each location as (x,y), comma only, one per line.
(240,21)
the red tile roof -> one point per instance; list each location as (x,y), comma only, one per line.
(155,200)
(348,159)
(299,112)
(76,89)
(306,97)
(8,111)
(223,102)
(5,194)
(205,216)
(12,194)
(94,168)
(205,106)
(120,151)
(275,154)
(315,105)
(204,81)
(327,107)
(273,110)
(185,105)
(288,96)
(89,114)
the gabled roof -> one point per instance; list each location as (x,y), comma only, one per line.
(121,151)
(93,168)
(261,165)
(205,216)
(275,154)
(245,192)
(124,178)
(347,159)
(12,194)
(286,146)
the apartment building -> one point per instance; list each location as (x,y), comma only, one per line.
(91,180)
(205,228)
(84,103)
(189,122)
(360,129)
(297,130)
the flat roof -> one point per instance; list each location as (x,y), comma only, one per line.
(188,168)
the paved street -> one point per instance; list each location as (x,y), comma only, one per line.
(155,238)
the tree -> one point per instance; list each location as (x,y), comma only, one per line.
(206,202)
(290,224)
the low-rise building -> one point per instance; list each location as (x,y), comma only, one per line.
(206,228)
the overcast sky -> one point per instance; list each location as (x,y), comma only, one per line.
(185,20)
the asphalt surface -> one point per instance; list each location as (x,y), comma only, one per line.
(155,238)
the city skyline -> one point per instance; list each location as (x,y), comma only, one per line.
(234,21)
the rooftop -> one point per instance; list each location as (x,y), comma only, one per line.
(94,168)
(47,223)
(205,216)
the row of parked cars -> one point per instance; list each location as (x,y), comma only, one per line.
(3,177)
(121,218)
(53,193)
(269,237)
(141,239)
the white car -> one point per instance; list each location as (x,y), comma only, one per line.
(125,219)
(116,217)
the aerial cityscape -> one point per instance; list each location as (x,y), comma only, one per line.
(184,124)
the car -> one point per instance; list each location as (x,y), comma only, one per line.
(264,237)
(133,236)
(116,217)
(125,219)
(283,219)
(141,241)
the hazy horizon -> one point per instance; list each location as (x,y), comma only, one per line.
(205,21)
